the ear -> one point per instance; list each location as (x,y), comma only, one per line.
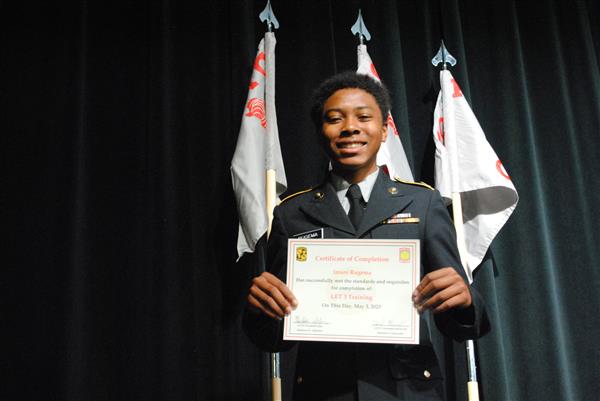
(384,132)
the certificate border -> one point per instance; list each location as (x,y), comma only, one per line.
(413,244)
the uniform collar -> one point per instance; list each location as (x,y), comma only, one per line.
(341,186)
(386,199)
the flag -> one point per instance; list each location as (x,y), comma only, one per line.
(257,150)
(466,164)
(391,154)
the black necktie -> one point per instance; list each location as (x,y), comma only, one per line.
(356,204)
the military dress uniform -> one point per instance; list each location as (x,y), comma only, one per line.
(348,371)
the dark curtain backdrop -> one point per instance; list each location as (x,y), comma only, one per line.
(118,121)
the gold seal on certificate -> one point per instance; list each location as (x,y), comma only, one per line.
(353,290)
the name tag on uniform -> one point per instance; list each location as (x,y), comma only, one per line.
(401,218)
(313,234)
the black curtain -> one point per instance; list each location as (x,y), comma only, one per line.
(118,121)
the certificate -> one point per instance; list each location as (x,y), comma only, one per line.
(353,290)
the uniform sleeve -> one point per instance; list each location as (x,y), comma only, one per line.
(440,250)
(266,333)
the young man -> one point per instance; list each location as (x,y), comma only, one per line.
(349,113)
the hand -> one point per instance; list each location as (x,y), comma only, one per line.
(441,290)
(271,296)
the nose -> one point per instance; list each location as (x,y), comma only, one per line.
(350,127)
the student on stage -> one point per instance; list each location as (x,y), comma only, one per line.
(356,201)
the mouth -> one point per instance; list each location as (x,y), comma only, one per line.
(350,145)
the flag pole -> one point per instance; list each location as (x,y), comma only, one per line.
(391,154)
(271,197)
(445,58)
(268,16)
(472,383)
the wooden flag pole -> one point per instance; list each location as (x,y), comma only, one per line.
(472,384)
(271,197)
(269,18)
(445,58)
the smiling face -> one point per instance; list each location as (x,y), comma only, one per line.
(353,130)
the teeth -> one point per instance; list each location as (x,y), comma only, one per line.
(350,145)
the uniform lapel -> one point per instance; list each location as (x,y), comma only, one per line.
(326,208)
(386,200)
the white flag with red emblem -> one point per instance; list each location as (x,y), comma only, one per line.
(466,164)
(391,154)
(257,150)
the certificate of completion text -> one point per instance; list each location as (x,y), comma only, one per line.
(353,290)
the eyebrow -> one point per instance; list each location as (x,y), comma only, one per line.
(356,108)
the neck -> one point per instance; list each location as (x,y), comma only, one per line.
(354,176)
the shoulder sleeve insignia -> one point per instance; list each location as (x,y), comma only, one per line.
(420,184)
(296,194)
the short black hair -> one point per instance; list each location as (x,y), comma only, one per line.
(348,80)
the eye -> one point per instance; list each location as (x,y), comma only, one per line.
(365,117)
(332,119)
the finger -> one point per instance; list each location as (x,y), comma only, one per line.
(266,303)
(461,301)
(281,287)
(440,297)
(270,297)
(275,290)
(257,307)
(456,296)
(430,285)
(428,278)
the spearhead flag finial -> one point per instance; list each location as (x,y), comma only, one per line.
(443,56)
(268,16)
(359,28)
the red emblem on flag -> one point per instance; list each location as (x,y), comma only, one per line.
(440,133)
(257,66)
(501,170)
(374,71)
(457,91)
(390,123)
(256,108)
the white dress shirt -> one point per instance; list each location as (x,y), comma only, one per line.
(341,187)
